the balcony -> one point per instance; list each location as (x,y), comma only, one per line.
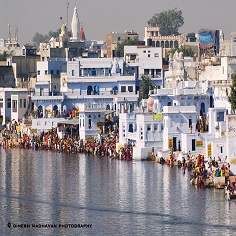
(47,96)
(102,94)
(161,92)
(132,136)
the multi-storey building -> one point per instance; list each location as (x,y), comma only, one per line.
(114,37)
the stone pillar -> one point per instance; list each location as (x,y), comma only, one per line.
(43,111)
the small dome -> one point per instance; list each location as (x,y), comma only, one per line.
(150,102)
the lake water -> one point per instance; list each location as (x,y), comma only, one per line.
(38,188)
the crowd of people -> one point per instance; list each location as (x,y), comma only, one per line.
(203,173)
(104,146)
(230,189)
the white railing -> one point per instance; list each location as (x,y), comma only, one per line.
(132,136)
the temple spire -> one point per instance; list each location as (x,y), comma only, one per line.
(81,34)
(75,26)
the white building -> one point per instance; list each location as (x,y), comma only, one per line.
(143,60)
(231,138)
(13,104)
(143,131)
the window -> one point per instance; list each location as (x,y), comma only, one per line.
(148,127)
(38,72)
(89,122)
(45,72)
(156,54)
(131,128)
(73,73)
(41,93)
(132,57)
(190,123)
(193,145)
(24,103)
(118,39)
(123,129)
(20,103)
(144,51)
(155,127)
(51,72)
(8,103)
(14,105)
(148,55)
(123,89)
(220,116)
(58,72)
(130,88)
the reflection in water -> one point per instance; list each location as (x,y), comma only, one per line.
(116,197)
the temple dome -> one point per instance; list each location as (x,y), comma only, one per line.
(150,102)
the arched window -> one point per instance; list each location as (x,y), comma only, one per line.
(171,44)
(157,44)
(211,102)
(167,44)
(89,90)
(176,44)
(89,122)
(162,44)
(96,89)
(202,110)
(40,112)
(131,128)
(55,108)
(115,89)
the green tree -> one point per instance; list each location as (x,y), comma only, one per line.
(54,34)
(232,94)
(187,51)
(5,54)
(40,38)
(190,35)
(146,86)
(169,21)
(125,42)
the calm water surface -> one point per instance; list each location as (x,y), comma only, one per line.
(116,197)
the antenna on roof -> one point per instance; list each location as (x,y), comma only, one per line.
(9,32)
(67,8)
(16,33)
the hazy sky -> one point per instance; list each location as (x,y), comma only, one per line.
(102,16)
